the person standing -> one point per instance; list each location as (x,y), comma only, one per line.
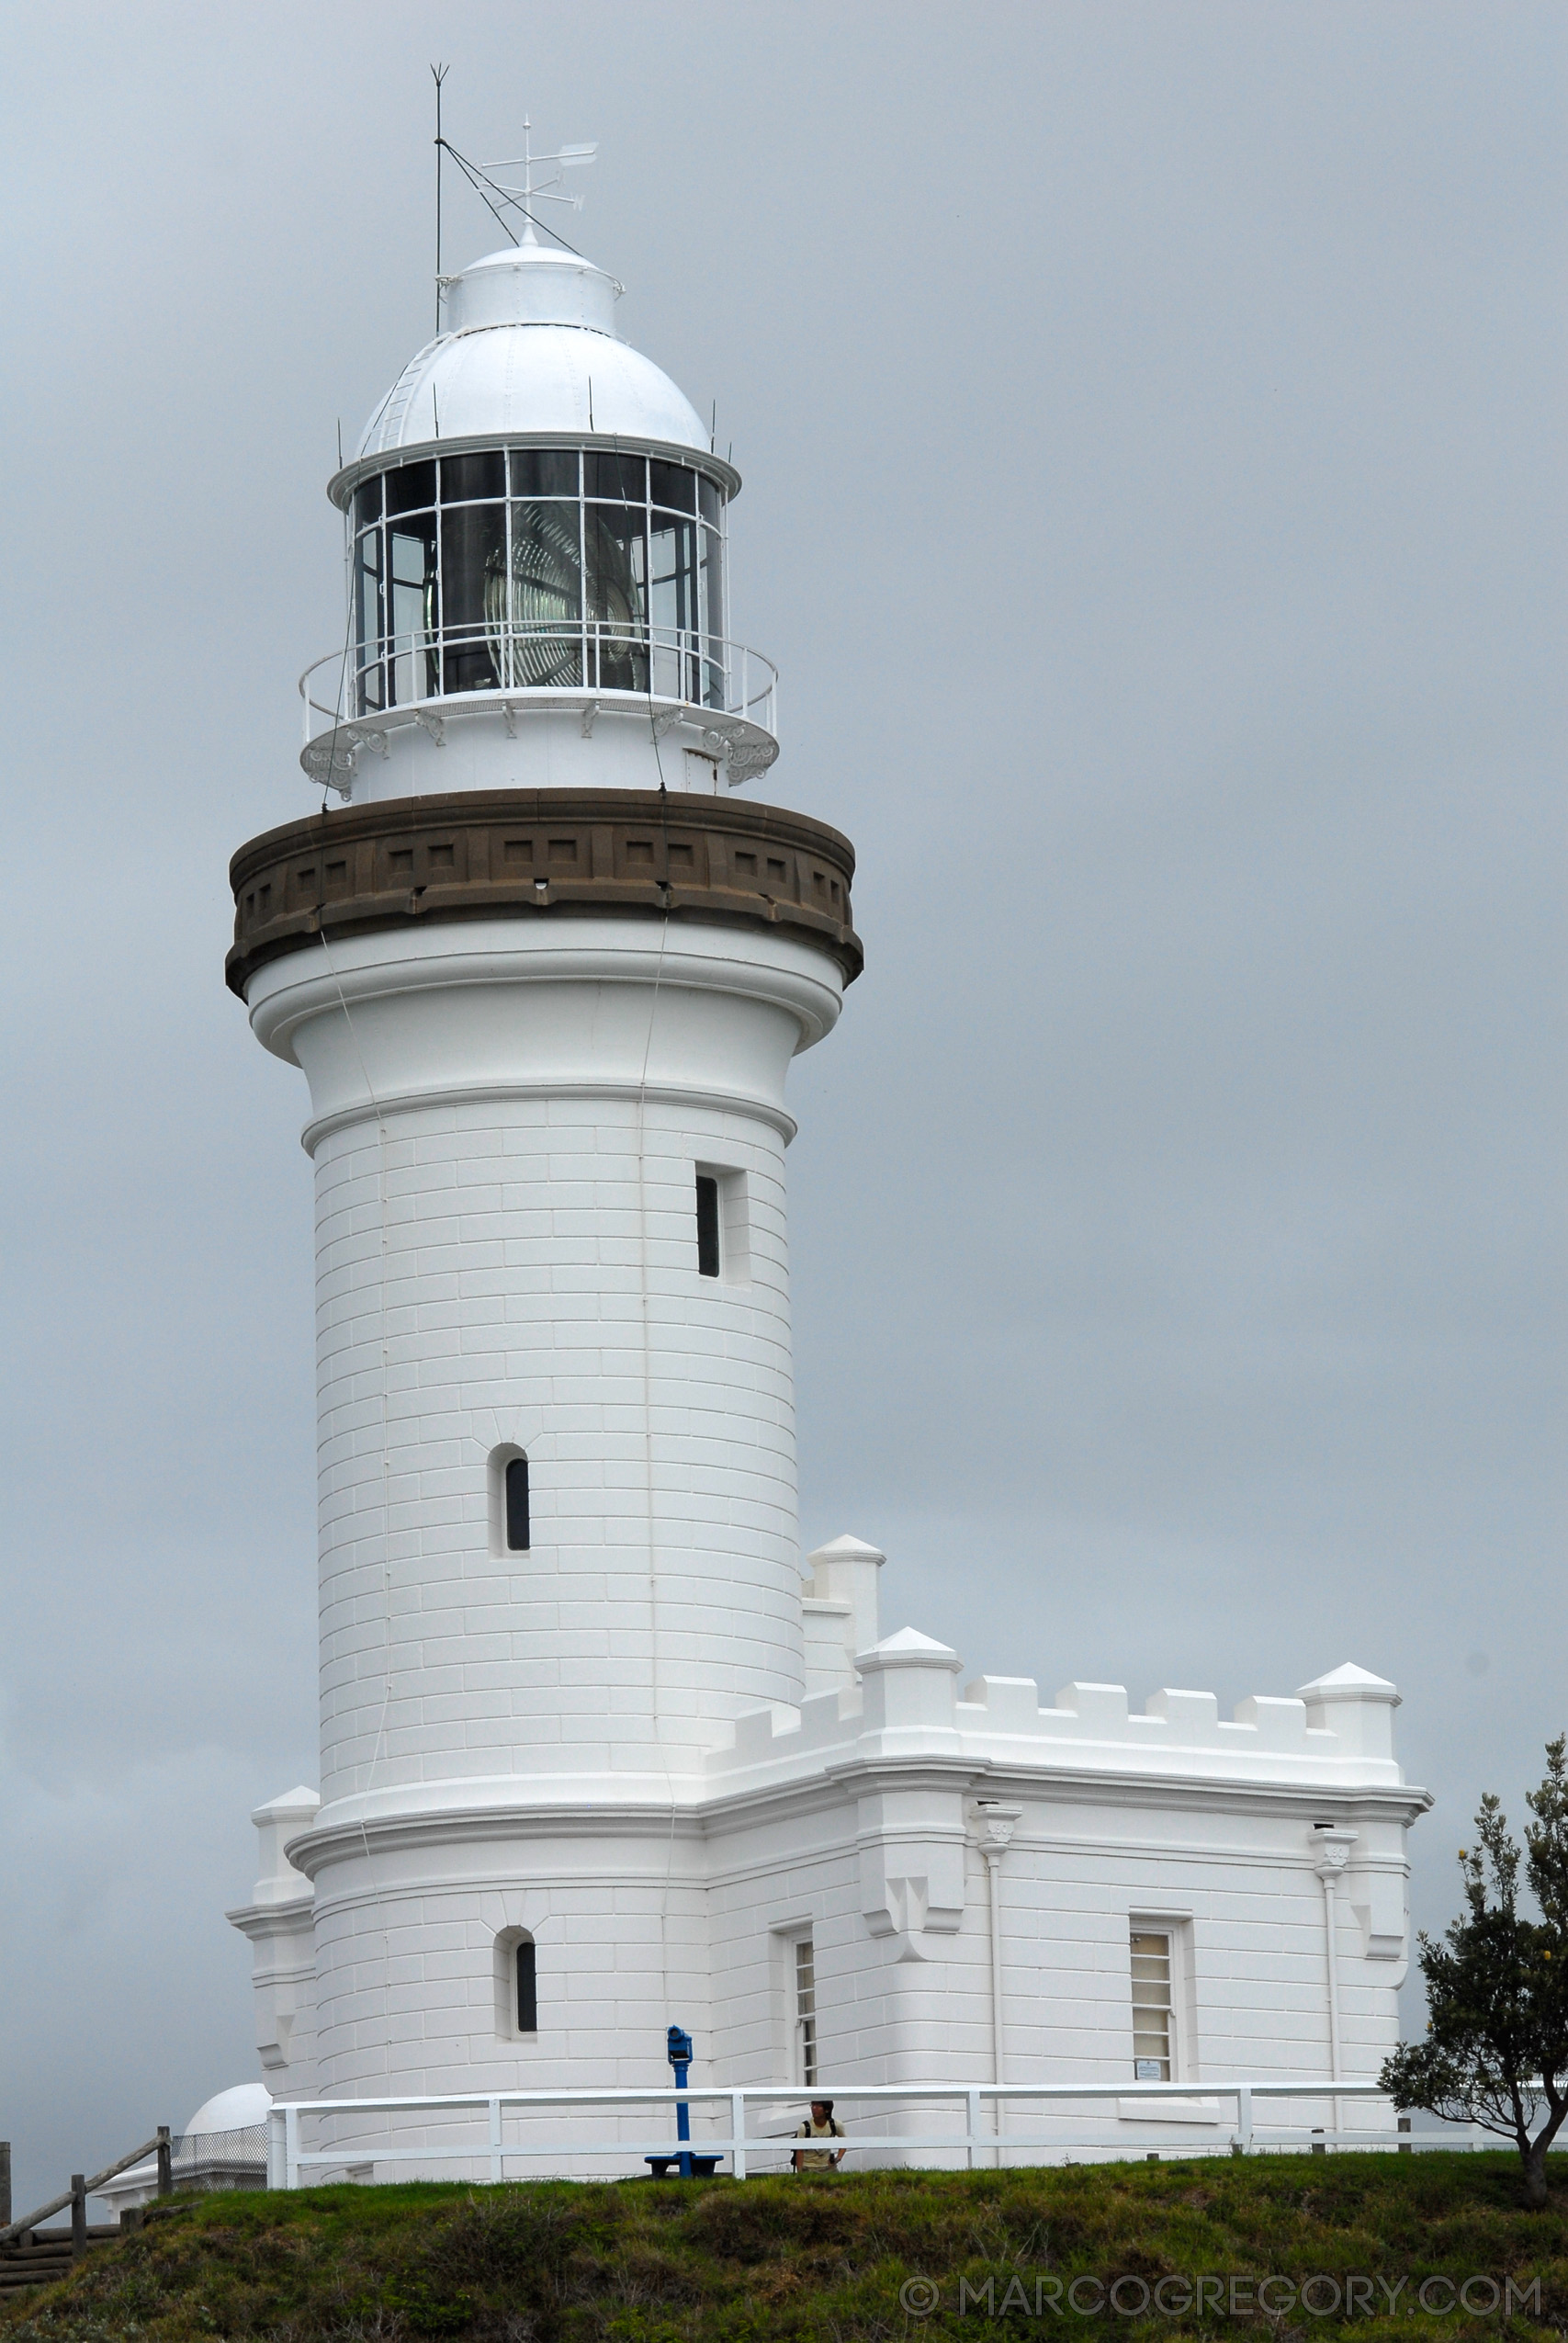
(819,2125)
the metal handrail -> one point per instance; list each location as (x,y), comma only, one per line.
(746,680)
(287,2158)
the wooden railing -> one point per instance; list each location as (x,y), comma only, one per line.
(82,2187)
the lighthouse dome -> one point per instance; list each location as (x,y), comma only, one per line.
(235,2110)
(531,347)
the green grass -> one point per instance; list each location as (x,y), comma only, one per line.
(720,2263)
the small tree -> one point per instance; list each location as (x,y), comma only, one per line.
(1496,2047)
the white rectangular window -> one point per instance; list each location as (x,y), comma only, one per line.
(1153,2042)
(710,1252)
(804,2012)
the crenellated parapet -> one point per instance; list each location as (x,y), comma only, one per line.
(1336,1731)
(927,1766)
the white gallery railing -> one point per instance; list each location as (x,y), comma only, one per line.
(718,680)
(289,2157)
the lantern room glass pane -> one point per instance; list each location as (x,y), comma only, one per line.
(672,577)
(712,503)
(674,486)
(622,477)
(544,644)
(543,471)
(410,487)
(367,503)
(466,480)
(673,606)
(713,694)
(617,547)
(370,621)
(414,598)
(473,593)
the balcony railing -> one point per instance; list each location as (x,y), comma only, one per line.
(724,688)
(946,2123)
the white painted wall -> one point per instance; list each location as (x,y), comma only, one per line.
(279,1922)
(523,1273)
(590,741)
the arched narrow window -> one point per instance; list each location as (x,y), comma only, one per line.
(516,1986)
(517,1508)
(528,1987)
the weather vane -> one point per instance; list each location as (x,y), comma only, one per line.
(568,158)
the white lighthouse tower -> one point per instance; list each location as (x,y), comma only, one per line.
(595,1756)
(544,976)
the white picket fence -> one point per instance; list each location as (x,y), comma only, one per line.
(291,2156)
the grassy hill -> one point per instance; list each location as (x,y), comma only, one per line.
(845,2259)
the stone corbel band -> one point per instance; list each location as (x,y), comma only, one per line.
(531,854)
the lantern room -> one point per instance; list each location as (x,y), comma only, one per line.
(537,555)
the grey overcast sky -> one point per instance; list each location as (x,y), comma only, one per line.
(1153,500)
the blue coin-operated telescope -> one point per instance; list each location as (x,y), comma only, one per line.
(679,2050)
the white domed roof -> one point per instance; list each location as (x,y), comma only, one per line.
(234,2110)
(531,347)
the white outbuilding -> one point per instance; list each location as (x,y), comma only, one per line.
(599,1754)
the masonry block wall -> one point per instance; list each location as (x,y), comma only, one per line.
(523,1277)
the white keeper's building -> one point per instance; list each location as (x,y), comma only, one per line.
(599,1750)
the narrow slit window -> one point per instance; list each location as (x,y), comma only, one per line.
(805,2011)
(517,1505)
(528,1987)
(707,1225)
(1151,2007)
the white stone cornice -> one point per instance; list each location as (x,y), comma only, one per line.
(1085,1785)
(377,971)
(576,1819)
(262,1921)
(1077,1783)
(923,1769)
(707,1102)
